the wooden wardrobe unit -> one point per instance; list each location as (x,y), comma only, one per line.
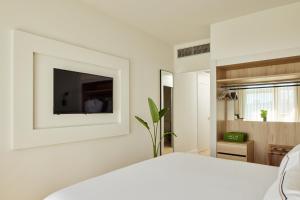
(262,133)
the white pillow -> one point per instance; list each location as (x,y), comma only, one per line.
(282,167)
(289,176)
(273,192)
(289,185)
(290,160)
(294,158)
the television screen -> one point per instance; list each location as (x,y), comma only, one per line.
(77,93)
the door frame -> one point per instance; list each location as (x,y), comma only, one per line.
(160,107)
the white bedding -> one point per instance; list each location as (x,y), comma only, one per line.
(177,176)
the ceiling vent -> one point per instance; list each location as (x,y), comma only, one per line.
(195,50)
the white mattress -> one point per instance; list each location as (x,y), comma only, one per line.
(176,176)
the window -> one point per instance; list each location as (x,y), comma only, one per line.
(281,103)
(286,101)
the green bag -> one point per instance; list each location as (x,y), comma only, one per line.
(235,137)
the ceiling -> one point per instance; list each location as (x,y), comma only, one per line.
(179,21)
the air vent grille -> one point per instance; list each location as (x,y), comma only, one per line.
(195,50)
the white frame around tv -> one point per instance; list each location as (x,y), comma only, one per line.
(34,123)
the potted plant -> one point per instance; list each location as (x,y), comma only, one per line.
(156,116)
(263,114)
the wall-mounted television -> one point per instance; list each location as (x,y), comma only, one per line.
(81,93)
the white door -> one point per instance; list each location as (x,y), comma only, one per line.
(203,111)
(185,111)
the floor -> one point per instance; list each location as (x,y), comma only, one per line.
(167,150)
(205,152)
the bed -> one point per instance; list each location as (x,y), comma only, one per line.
(176,176)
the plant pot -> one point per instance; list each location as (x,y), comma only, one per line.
(264,119)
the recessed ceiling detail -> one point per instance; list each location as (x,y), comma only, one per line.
(178,21)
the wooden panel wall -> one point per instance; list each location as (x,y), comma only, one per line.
(221,118)
(264,133)
(286,68)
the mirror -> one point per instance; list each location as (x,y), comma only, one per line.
(166,101)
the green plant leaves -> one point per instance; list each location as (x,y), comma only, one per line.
(142,122)
(263,113)
(156,117)
(153,110)
(170,133)
(163,112)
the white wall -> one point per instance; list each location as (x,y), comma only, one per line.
(191,63)
(268,34)
(185,111)
(33,173)
(262,32)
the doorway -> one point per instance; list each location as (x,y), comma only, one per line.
(168,139)
(192,112)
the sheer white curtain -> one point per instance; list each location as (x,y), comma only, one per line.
(256,100)
(281,103)
(286,104)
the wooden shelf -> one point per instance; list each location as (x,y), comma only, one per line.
(262,63)
(236,151)
(261,79)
